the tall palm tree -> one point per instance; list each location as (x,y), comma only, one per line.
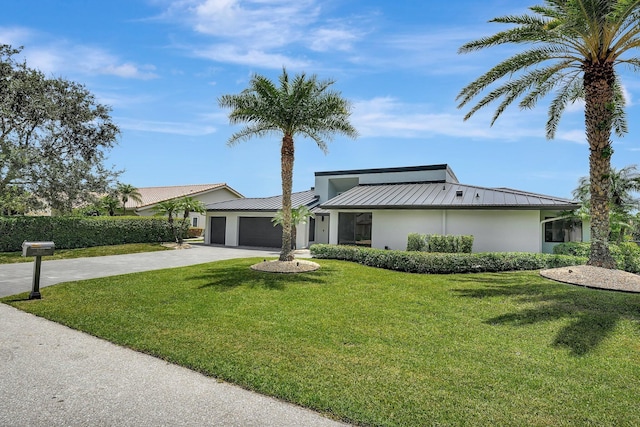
(303,106)
(126,192)
(574,49)
(624,185)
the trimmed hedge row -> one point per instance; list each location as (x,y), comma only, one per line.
(82,232)
(444,263)
(626,254)
(439,243)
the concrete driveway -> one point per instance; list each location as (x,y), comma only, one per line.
(17,278)
(51,375)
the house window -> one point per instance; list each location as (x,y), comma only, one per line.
(194,221)
(562,230)
(354,228)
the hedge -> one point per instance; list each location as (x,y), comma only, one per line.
(625,254)
(439,243)
(444,263)
(82,232)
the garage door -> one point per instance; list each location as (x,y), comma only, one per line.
(259,231)
(218,230)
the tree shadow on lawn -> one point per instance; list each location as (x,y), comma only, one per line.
(227,278)
(593,313)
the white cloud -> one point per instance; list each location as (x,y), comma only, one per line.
(262,33)
(388,117)
(233,54)
(576,135)
(64,57)
(173,128)
(15,36)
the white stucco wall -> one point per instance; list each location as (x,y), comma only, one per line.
(493,231)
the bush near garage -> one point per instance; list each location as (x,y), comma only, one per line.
(625,254)
(444,263)
(82,232)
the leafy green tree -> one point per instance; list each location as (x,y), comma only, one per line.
(127,192)
(302,106)
(573,49)
(299,215)
(53,138)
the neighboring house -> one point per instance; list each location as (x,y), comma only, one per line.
(380,207)
(206,193)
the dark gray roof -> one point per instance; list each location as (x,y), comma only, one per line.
(265,204)
(442,195)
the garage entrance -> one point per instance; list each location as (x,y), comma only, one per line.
(218,230)
(260,232)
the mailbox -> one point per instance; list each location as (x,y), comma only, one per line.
(38,248)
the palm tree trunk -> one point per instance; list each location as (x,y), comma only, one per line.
(286,159)
(599,80)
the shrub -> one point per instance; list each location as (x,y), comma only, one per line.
(194,232)
(444,263)
(416,242)
(81,232)
(439,243)
(626,254)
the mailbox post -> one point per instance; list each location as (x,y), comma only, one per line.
(38,250)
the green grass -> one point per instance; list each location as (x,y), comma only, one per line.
(377,347)
(131,248)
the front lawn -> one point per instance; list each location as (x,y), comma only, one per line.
(378,347)
(130,248)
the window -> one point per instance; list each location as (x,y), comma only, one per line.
(194,221)
(562,230)
(354,228)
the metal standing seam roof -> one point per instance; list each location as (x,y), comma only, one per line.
(152,195)
(429,195)
(265,204)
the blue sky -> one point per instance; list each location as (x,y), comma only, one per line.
(161,65)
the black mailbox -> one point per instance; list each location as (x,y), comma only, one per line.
(38,248)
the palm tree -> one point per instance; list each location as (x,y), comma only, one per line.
(188,204)
(302,106)
(126,192)
(299,215)
(575,46)
(168,208)
(110,204)
(624,184)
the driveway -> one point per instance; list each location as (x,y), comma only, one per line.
(51,375)
(17,278)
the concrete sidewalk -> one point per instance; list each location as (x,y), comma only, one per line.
(51,375)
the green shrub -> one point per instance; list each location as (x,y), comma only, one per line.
(444,263)
(626,254)
(81,232)
(439,243)
(416,242)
